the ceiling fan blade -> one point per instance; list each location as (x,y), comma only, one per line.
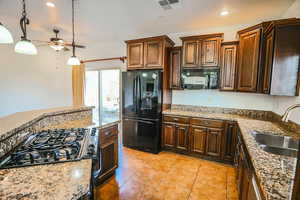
(76,45)
(40,41)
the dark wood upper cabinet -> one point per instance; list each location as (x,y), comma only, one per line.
(213,142)
(248,66)
(135,54)
(201,50)
(210,52)
(148,53)
(228,65)
(282,58)
(175,68)
(153,56)
(190,53)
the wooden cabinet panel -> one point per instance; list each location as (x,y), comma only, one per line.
(229,146)
(175,68)
(153,54)
(213,142)
(268,62)
(210,52)
(176,119)
(135,52)
(182,137)
(248,61)
(207,122)
(190,53)
(228,66)
(198,139)
(168,135)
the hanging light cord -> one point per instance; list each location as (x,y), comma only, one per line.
(73,42)
(24,21)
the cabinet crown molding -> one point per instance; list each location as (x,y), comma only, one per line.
(200,37)
(161,37)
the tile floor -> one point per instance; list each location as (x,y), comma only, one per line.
(168,176)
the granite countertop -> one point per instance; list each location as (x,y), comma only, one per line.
(61,181)
(274,172)
(20,119)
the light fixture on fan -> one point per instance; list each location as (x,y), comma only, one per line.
(5,35)
(73,60)
(24,46)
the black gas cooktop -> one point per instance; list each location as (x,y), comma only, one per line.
(53,146)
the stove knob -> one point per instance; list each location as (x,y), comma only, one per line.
(91,149)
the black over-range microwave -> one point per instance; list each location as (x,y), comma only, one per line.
(204,78)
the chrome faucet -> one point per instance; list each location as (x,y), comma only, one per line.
(286,115)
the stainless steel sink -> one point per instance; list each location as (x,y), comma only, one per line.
(280,145)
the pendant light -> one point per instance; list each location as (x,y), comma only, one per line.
(73,60)
(5,35)
(24,46)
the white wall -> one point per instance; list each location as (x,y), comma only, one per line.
(217,98)
(281,103)
(33,82)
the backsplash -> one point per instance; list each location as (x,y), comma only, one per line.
(251,113)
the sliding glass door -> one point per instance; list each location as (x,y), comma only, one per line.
(103,92)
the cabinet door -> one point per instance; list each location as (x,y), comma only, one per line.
(153,57)
(190,53)
(175,66)
(248,61)
(168,136)
(198,139)
(135,54)
(268,62)
(210,52)
(229,141)
(182,137)
(109,157)
(251,192)
(213,142)
(228,67)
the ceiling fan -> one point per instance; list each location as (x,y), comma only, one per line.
(57,43)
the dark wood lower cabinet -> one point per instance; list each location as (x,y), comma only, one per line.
(198,139)
(229,147)
(108,150)
(168,140)
(213,142)
(182,137)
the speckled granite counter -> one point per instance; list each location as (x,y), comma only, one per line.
(275,172)
(62,181)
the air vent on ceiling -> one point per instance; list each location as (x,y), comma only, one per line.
(167,4)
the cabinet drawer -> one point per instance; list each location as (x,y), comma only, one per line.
(108,133)
(182,120)
(207,123)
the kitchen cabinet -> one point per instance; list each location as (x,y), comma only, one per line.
(108,152)
(282,58)
(168,135)
(182,137)
(201,50)
(248,61)
(135,55)
(148,53)
(230,140)
(228,65)
(198,140)
(248,188)
(210,52)
(213,142)
(175,68)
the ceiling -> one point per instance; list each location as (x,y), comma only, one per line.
(101,22)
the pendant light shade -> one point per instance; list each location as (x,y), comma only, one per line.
(73,60)
(25,47)
(5,35)
(57,47)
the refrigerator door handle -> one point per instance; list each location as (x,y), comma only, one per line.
(135,94)
(146,122)
(139,93)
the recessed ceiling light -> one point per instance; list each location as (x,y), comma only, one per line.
(50,4)
(224,13)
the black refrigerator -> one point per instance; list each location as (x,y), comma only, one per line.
(141,109)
